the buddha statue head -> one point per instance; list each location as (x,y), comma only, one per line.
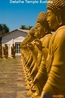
(31,32)
(41,27)
(56,13)
(29,37)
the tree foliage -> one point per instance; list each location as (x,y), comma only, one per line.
(25,27)
(3,29)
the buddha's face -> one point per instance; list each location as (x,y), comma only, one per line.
(52,20)
(31,33)
(39,30)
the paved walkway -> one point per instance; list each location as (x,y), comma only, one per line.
(12,84)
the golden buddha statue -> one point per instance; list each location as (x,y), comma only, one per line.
(41,77)
(55,83)
(33,68)
(0,50)
(24,54)
(41,27)
(30,48)
(32,61)
(39,33)
(35,53)
(38,48)
(13,51)
(42,30)
(29,37)
(23,46)
(5,49)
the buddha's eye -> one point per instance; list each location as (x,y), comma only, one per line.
(49,14)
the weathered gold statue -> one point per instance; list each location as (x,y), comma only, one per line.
(27,53)
(38,48)
(42,30)
(0,50)
(24,53)
(41,77)
(36,60)
(5,50)
(29,37)
(13,51)
(55,84)
(23,45)
(38,34)
(32,54)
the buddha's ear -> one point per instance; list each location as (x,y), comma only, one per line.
(58,17)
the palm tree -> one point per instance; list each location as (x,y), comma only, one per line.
(29,27)
(23,27)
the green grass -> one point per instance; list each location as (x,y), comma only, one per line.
(9,61)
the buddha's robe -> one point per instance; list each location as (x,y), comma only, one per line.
(56,72)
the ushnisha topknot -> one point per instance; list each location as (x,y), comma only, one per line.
(55,5)
(42,18)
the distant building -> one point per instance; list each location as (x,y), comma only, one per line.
(14,37)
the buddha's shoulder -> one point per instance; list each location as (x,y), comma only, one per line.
(61,31)
(45,40)
(46,37)
(59,35)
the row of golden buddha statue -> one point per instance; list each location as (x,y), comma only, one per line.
(4,51)
(43,53)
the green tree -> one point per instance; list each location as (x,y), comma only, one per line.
(25,27)
(29,27)
(3,29)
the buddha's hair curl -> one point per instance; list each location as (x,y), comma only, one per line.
(42,18)
(55,5)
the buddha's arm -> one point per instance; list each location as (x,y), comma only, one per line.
(37,63)
(39,57)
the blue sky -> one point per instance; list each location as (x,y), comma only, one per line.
(16,14)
